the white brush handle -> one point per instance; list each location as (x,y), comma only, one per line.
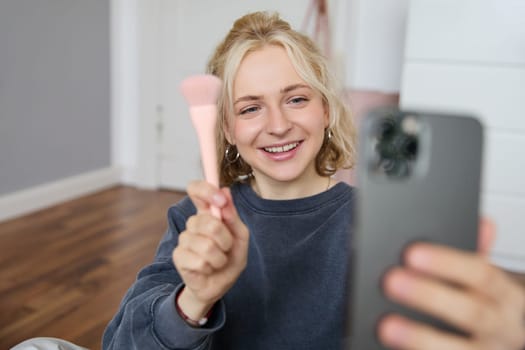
(204,120)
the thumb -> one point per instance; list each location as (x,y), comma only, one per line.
(231,218)
(486,237)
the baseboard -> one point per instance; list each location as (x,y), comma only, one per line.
(39,197)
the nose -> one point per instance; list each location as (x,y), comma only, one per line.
(277,121)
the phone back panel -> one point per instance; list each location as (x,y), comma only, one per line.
(435,200)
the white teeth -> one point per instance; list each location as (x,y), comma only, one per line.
(284,148)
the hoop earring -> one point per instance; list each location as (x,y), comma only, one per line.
(328,134)
(228,154)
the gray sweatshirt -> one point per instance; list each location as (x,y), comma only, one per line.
(292,294)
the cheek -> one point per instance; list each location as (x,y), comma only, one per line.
(245,132)
(321,120)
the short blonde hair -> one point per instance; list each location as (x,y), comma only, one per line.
(253,32)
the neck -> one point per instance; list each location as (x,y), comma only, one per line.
(281,190)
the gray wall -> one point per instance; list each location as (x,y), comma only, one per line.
(54,90)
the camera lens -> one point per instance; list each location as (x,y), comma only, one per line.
(408,147)
(386,128)
(395,167)
(399,146)
(387,149)
(396,148)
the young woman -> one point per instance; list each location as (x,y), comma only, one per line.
(271,273)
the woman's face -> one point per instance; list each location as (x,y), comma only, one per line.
(279,121)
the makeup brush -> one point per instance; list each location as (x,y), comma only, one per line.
(201,93)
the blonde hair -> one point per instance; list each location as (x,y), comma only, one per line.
(250,33)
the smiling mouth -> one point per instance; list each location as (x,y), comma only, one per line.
(281,149)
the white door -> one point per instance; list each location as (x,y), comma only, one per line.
(189,32)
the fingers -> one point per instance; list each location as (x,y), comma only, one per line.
(212,229)
(487,234)
(205,249)
(205,196)
(462,289)
(469,312)
(400,333)
(188,261)
(206,241)
(212,251)
(231,218)
(455,266)
(469,272)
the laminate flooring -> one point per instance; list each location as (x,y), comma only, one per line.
(65,269)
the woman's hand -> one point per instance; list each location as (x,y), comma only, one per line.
(460,288)
(211,253)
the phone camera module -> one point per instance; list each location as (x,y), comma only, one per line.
(396,146)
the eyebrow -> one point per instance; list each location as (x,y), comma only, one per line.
(247,98)
(294,87)
(282,91)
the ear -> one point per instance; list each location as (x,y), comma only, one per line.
(326,115)
(227,134)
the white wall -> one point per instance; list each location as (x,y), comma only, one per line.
(375,35)
(470,56)
(54,103)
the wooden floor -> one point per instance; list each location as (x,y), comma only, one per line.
(64,270)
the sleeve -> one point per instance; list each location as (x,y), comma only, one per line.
(147,317)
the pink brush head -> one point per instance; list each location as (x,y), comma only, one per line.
(201,90)
(201,93)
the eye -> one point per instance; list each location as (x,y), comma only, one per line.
(297,100)
(250,109)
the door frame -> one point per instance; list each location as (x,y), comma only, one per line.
(135,90)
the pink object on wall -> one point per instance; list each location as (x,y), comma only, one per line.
(360,101)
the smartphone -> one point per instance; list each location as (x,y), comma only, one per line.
(418,179)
